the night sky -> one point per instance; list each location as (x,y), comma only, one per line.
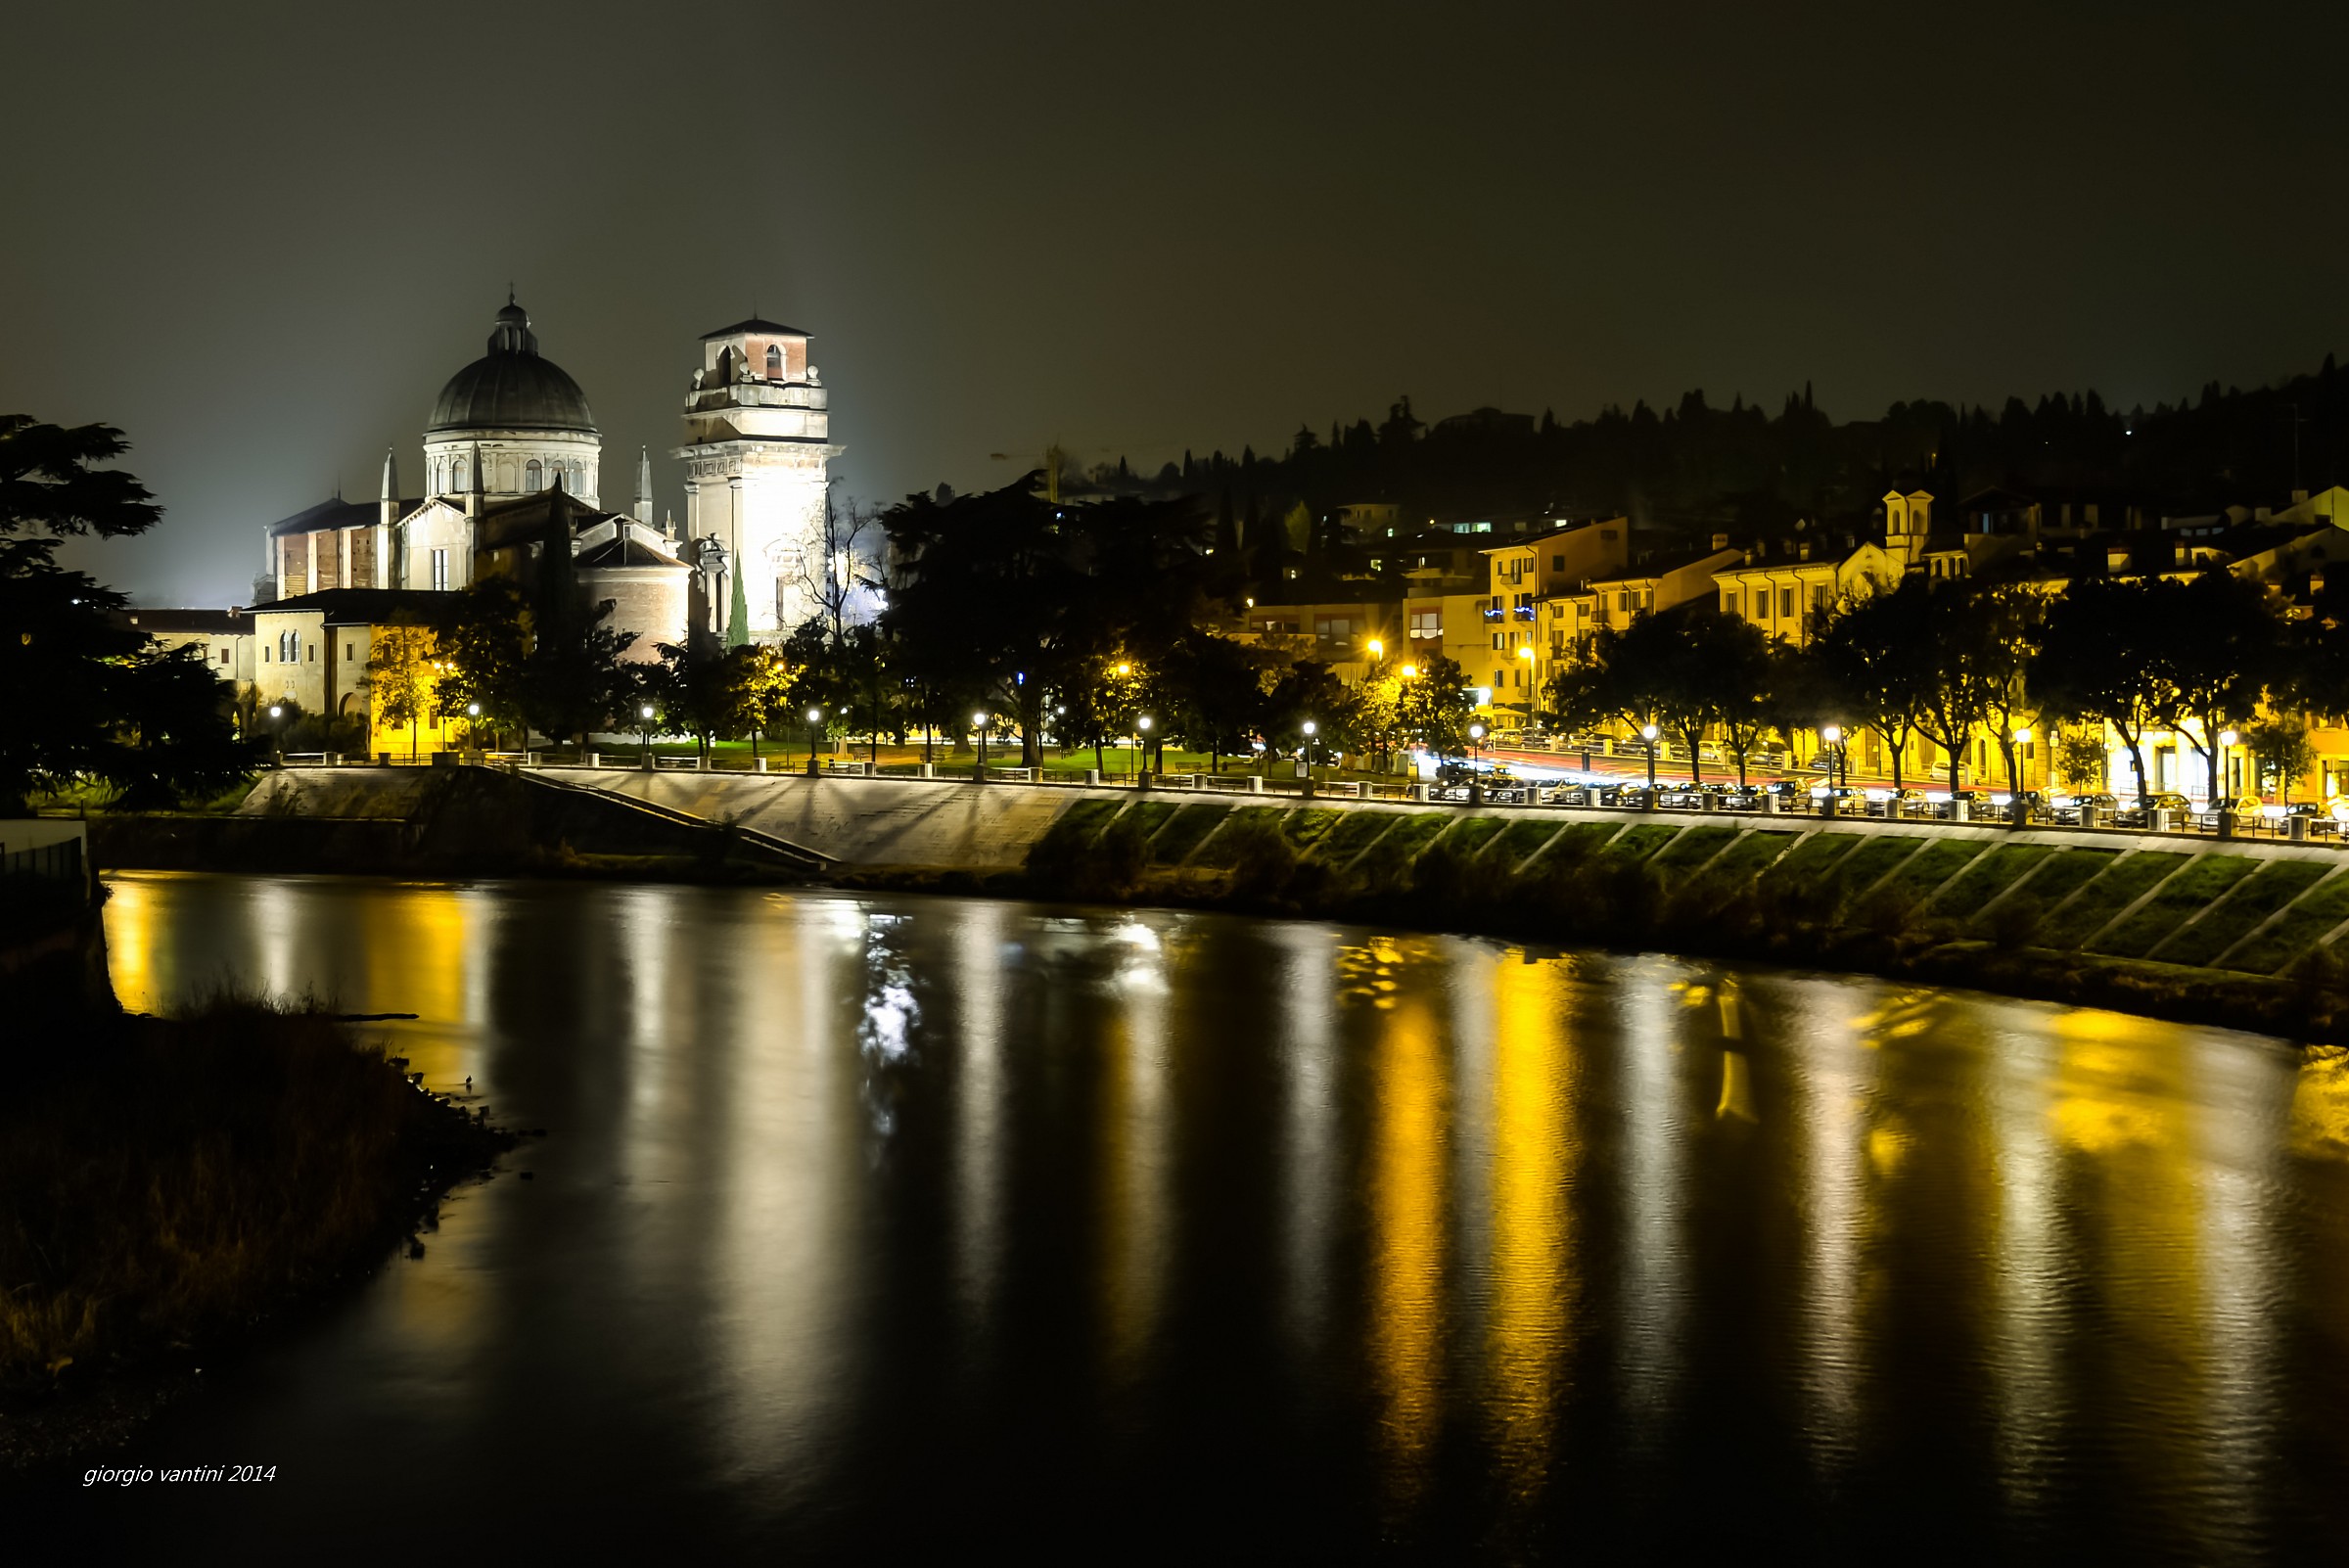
(258,239)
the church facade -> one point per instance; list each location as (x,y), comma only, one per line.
(513,476)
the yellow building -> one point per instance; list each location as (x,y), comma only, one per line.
(1785,589)
(222,639)
(314,653)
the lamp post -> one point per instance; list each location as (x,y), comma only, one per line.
(473,725)
(1308,727)
(2227,740)
(815,717)
(1476,744)
(978,723)
(2022,738)
(1142,742)
(276,742)
(1830,739)
(644,717)
(1648,733)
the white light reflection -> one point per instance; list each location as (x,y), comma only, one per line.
(779,1008)
(1309,1173)
(1134,1140)
(1831,1072)
(1655,1285)
(979,1086)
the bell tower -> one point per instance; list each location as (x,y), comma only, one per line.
(757,452)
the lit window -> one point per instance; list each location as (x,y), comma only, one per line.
(441,571)
(533,478)
(774,363)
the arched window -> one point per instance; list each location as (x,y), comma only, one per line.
(533,478)
(456,475)
(774,362)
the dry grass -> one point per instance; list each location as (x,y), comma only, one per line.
(173,1178)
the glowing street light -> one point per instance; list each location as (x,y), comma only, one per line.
(1378,649)
(1409,671)
(1648,733)
(1832,735)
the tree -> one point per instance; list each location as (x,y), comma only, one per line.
(2281,749)
(1966,668)
(1214,694)
(1434,707)
(1097,698)
(2014,614)
(709,697)
(1310,692)
(2226,651)
(842,578)
(400,675)
(572,682)
(485,646)
(998,592)
(2102,656)
(2081,760)
(1870,666)
(1684,671)
(90,698)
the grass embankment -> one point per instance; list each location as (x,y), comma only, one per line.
(167,1183)
(2086,925)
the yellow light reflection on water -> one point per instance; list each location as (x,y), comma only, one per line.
(1408,1221)
(1534,1152)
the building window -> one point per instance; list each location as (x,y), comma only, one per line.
(1427,622)
(1786,602)
(1557,563)
(774,363)
(456,475)
(441,571)
(346,652)
(533,478)
(1728,603)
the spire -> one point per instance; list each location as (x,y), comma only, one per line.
(390,496)
(644,486)
(473,496)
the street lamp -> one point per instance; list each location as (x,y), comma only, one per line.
(815,717)
(473,725)
(1832,736)
(1476,742)
(2227,740)
(978,723)
(1141,741)
(1378,649)
(1308,729)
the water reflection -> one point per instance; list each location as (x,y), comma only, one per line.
(852,1202)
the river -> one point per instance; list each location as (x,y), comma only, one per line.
(870,1227)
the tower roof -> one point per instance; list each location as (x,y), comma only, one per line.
(512,387)
(757,324)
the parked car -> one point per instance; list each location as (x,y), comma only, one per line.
(2067,807)
(2132,812)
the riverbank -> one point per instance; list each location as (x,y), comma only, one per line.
(2084,925)
(177,1184)
(2198,930)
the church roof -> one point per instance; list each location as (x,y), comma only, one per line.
(334,514)
(623,551)
(362,607)
(758,324)
(512,387)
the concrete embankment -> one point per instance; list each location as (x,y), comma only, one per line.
(2122,918)
(440,822)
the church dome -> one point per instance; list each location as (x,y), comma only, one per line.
(511,387)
